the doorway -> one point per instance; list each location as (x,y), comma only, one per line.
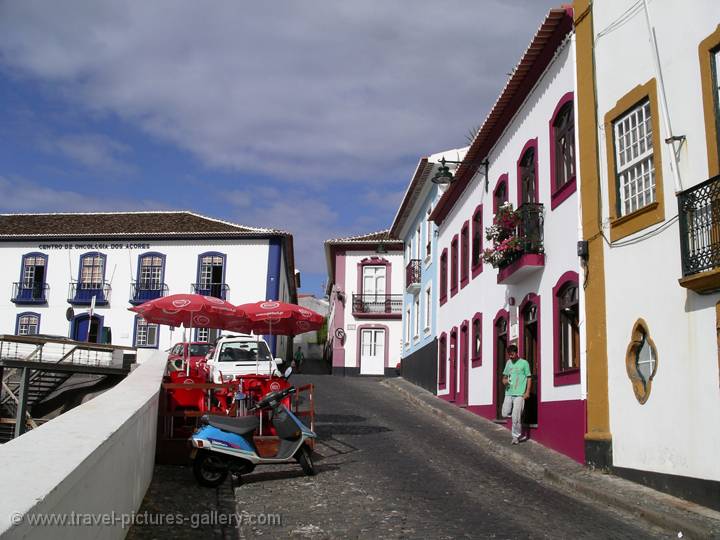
(531,353)
(372,351)
(501,343)
(462,396)
(87,328)
(453,364)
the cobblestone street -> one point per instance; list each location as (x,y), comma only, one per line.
(387,470)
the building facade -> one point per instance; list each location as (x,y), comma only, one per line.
(75,275)
(418,233)
(508,270)
(365,290)
(649,130)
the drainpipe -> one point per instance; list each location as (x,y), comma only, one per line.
(669,138)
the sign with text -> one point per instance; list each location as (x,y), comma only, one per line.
(97,246)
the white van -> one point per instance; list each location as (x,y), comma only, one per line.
(241,355)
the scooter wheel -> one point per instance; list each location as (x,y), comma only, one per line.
(210,470)
(304,458)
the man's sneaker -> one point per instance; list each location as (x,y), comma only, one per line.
(515,441)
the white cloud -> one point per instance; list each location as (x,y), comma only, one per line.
(302,91)
(38,198)
(94,151)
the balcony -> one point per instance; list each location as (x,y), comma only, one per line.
(413,273)
(36,293)
(217,290)
(377,306)
(530,256)
(81,294)
(699,223)
(143,292)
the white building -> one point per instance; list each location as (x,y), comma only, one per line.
(365,286)
(649,132)
(523,154)
(56,264)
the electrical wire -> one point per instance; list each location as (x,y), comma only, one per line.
(621,20)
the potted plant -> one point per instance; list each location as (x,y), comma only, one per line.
(503,235)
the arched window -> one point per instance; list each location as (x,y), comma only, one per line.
(464,254)
(91,280)
(476,347)
(564,140)
(500,194)
(527,174)
(150,282)
(443,276)
(27,324)
(477,242)
(211,275)
(31,289)
(566,319)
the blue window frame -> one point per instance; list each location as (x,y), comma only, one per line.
(146,335)
(32,287)
(91,280)
(150,279)
(211,274)
(27,324)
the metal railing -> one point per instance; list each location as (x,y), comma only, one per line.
(82,293)
(217,290)
(413,273)
(142,291)
(699,221)
(389,304)
(34,294)
(529,231)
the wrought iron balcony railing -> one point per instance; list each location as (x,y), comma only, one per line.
(141,292)
(217,290)
(699,213)
(413,273)
(377,304)
(529,232)
(35,293)
(81,294)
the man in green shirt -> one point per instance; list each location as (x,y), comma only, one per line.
(517,381)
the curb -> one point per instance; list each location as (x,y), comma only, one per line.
(678,515)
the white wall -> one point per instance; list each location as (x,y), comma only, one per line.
(97,458)
(483,294)
(246,274)
(675,431)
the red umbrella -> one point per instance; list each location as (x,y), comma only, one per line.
(189,310)
(278,318)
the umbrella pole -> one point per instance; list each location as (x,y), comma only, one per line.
(187,360)
(257,356)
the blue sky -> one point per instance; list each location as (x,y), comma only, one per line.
(306,116)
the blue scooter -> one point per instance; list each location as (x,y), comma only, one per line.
(224,444)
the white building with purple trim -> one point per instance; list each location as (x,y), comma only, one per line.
(76,274)
(365,287)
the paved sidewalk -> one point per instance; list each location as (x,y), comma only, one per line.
(545,465)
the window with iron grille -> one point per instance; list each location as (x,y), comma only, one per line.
(564,131)
(151,272)
(92,271)
(146,334)
(569,316)
(28,324)
(634,159)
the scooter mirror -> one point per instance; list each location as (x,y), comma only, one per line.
(288,372)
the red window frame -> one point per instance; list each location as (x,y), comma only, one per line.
(532,144)
(502,183)
(569,376)
(476,326)
(454,266)
(443,276)
(558,195)
(477,230)
(442,361)
(464,254)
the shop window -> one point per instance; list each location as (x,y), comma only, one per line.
(27,324)
(634,161)
(477,242)
(562,150)
(464,254)
(146,334)
(641,361)
(442,360)
(454,266)
(443,276)
(476,347)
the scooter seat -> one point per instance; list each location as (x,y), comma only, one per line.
(241,425)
